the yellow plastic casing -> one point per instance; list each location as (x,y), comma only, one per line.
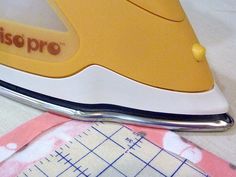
(133,38)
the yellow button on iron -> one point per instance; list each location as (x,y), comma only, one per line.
(199,52)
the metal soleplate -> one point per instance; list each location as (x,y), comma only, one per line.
(113,113)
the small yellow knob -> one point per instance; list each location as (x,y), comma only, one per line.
(199,52)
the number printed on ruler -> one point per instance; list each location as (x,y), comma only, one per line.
(107,149)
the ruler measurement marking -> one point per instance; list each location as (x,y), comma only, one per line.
(51,155)
(47,159)
(58,154)
(134,144)
(67,146)
(84,172)
(77,168)
(88,152)
(67,161)
(71,164)
(41,171)
(92,151)
(131,143)
(76,139)
(130,147)
(138,145)
(85,133)
(25,174)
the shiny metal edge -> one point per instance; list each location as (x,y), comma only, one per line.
(180,125)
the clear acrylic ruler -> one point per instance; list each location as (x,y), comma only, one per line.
(111,150)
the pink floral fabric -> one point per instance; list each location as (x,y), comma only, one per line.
(37,138)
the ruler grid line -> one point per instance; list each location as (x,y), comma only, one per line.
(110,165)
(83,172)
(179,167)
(63,158)
(182,160)
(148,163)
(108,137)
(89,149)
(110,150)
(92,151)
(78,159)
(71,164)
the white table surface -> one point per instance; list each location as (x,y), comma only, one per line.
(214,22)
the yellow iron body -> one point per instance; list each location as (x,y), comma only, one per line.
(137,39)
(128,61)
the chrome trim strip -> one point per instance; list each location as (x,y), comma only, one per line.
(180,125)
